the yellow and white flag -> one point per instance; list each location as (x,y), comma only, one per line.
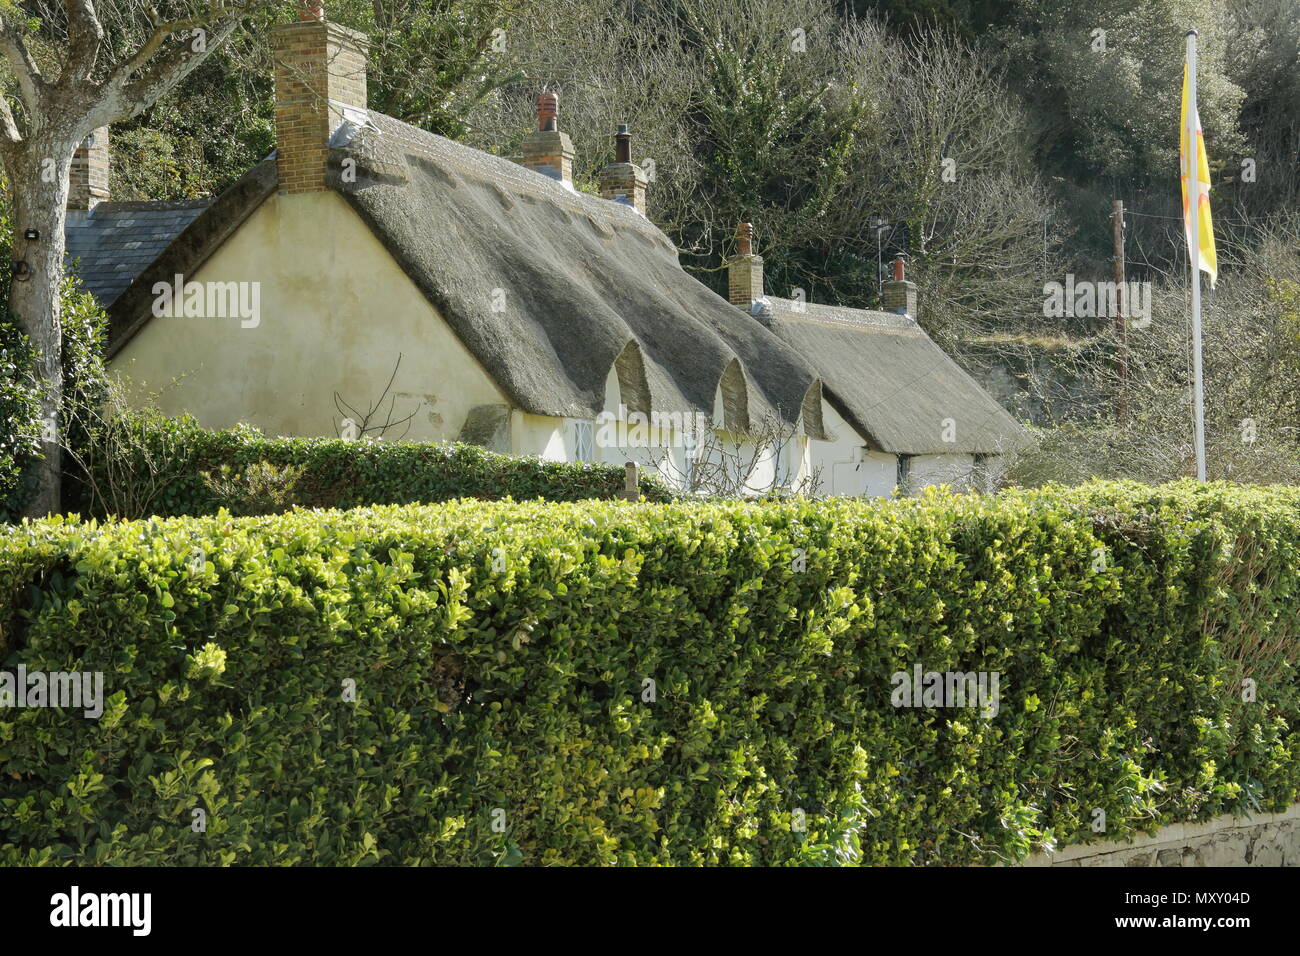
(1205,225)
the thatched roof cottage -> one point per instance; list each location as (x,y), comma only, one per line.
(528,316)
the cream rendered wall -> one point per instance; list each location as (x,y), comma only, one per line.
(540,435)
(336,311)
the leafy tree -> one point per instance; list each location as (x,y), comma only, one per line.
(24,435)
(77,66)
(433,61)
(911,16)
(1105,80)
(20,425)
(1264,60)
(775,123)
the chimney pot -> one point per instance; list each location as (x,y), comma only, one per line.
(623,180)
(308,10)
(547,149)
(745,238)
(899,294)
(548,112)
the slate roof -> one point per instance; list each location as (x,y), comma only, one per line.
(889,380)
(116,240)
(211,224)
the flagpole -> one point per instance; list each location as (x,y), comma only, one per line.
(1194,246)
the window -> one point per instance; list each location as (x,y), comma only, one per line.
(584,442)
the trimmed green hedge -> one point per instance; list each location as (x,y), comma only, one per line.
(500,652)
(146,451)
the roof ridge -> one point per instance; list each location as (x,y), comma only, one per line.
(504,172)
(147,205)
(844,316)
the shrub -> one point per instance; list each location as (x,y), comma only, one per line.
(145,463)
(83,325)
(20,412)
(500,652)
(261,489)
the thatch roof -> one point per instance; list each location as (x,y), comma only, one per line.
(580,282)
(550,289)
(889,380)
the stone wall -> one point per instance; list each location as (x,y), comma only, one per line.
(1266,839)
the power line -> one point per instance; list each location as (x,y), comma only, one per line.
(1148,215)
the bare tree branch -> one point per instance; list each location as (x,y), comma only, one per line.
(30,81)
(124,94)
(85,33)
(369,423)
(9,135)
(164,73)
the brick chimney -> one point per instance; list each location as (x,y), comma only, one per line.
(744,269)
(898,294)
(546,149)
(88,179)
(623,180)
(320,77)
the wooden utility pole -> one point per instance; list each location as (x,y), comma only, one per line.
(1121,320)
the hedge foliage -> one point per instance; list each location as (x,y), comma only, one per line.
(20,413)
(82,327)
(500,654)
(149,464)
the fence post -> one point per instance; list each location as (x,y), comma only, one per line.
(630,491)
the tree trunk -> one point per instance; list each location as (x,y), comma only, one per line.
(39,179)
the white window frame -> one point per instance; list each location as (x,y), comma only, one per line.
(584,439)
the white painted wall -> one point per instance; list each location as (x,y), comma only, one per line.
(847,467)
(626,439)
